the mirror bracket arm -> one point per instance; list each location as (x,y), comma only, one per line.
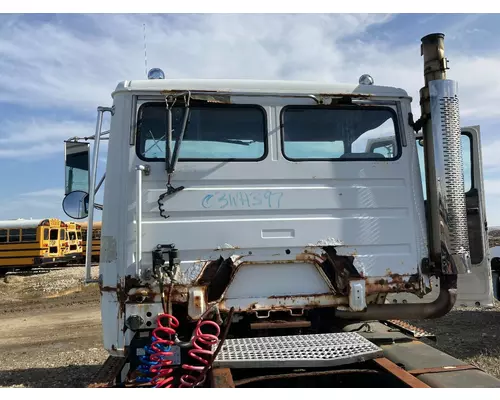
(419,123)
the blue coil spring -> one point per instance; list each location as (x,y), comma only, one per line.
(144,368)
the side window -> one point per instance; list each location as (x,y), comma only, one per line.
(63,235)
(3,235)
(14,235)
(84,234)
(474,222)
(29,235)
(45,233)
(466,157)
(467,160)
(214,131)
(340,133)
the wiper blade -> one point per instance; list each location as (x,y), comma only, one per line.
(171,158)
(234,141)
(175,155)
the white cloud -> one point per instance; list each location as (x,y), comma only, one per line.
(53,65)
(492,187)
(76,65)
(57,65)
(45,203)
(30,140)
(51,192)
(490,152)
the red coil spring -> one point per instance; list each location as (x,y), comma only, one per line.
(163,374)
(201,352)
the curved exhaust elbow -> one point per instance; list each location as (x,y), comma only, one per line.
(436,309)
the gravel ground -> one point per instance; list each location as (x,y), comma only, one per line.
(42,282)
(50,331)
(470,334)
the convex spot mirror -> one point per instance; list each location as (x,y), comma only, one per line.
(76,204)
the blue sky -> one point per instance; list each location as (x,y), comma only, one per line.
(56,69)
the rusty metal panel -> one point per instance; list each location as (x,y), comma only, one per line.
(438,370)
(410,329)
(278,324)
(400,373)
(107,374)
(222,378)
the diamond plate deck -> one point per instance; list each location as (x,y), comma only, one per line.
(323,350)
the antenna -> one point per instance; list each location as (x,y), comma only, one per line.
(145,52)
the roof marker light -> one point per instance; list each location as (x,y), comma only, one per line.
(156,73)
(366,79)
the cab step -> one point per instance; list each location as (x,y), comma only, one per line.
(297,351)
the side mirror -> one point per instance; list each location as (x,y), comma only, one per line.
(77,167)
(76,204)
(383,146)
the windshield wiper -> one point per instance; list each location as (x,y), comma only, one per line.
(234,141)
(171,157)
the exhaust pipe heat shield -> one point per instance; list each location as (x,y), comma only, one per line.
(446,138)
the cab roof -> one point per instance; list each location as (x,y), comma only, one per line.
(257,86)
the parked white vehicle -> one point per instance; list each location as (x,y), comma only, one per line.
(274,200)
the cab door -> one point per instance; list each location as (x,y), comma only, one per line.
(476,288)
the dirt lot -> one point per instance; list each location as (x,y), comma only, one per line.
(470,334)
(50,333)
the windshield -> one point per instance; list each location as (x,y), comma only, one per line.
(214,132)
(312,133)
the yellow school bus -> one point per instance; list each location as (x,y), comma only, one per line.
(96,239)
(74,249)
(31,243)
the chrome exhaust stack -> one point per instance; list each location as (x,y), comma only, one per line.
(448,234)
(447,223)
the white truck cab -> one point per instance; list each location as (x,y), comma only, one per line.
(281,201)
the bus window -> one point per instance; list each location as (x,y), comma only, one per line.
(72,235)
(14,235)
(3,235)
(63,235)
(79,235)
(54,234)
(29,235)
(46,234)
